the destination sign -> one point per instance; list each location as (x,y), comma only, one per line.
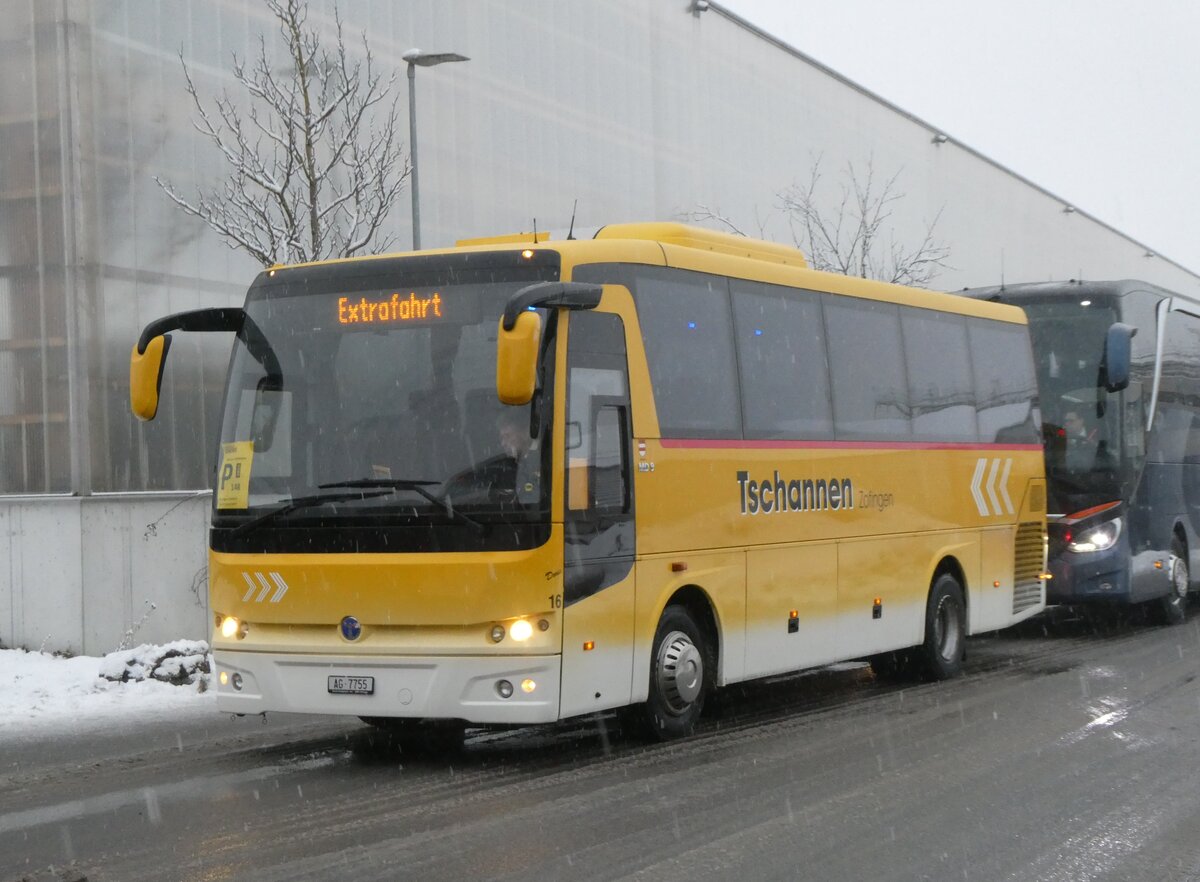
(394,308)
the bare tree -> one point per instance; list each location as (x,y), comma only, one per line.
(854,237)
(314,161)
(705,214)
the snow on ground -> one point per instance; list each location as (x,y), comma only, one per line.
(44,694)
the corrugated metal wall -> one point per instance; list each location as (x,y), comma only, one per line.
(629,110)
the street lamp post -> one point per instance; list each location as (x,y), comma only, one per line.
(416,57)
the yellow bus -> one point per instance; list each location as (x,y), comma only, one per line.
(525,479)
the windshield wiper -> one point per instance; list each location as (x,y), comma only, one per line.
(407,484)
(306,502)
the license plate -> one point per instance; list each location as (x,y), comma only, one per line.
(340,684)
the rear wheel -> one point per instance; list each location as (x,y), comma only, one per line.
(1174,604)
(681,674)
(941,655)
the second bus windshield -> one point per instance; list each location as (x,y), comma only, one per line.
(1081,420)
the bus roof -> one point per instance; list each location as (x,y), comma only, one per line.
(702,250)
(669,233)
(1069,288)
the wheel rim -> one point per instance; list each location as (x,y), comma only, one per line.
(1179,579)
(680,672)
(947,628)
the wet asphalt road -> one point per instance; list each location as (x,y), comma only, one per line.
(1068,751)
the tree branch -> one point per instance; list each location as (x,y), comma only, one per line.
(314,162)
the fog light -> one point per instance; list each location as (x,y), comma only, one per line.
(528,685)
(521,630)
(224,678)
(497,633)
(237,682)
(504,689)
(229,627)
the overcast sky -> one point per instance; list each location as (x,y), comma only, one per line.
(1094,100)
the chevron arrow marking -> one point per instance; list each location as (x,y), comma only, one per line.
(980,465)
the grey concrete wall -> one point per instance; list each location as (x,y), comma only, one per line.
(90,575)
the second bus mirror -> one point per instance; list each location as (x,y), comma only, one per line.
(516,359)
(1114,369)
(145,376)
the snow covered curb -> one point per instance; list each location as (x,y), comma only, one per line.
(180,663)
(41,693)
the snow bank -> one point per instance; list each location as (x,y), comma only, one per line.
(180,663)
(42,693)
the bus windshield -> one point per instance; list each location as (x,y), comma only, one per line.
(1086,459)
(373,398)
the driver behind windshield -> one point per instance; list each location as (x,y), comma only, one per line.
(513,427)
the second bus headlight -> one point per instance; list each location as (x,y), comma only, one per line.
(1098,538)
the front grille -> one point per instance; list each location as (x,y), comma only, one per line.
(1027,567)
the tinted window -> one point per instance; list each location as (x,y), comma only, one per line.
(781,356)
(939,376)
(687,331)
(1178,407)
(870,391)
(1005,388)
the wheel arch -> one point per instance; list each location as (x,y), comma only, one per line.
(952,566)
(1179,531)
(703,611)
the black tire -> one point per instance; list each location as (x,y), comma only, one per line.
(941,655)
(1173,608)
(425,737)
(682,669)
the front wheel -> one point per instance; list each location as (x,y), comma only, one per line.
(681,674)
(941,655)
(1174,604)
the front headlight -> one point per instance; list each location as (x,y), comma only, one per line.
(1099,538)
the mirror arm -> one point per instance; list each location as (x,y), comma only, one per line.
(565,295)
(218,319)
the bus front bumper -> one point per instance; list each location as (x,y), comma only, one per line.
(1096,577)
(466,688)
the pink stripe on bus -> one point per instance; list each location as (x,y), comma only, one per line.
(720,443)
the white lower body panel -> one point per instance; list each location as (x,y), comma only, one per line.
(435,687)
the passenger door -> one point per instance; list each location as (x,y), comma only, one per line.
(598,523)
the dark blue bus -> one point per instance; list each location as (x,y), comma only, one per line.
(1118,366)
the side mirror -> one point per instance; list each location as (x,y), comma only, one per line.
(150,351)
(1114,369)
(145,376)
(516,359)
